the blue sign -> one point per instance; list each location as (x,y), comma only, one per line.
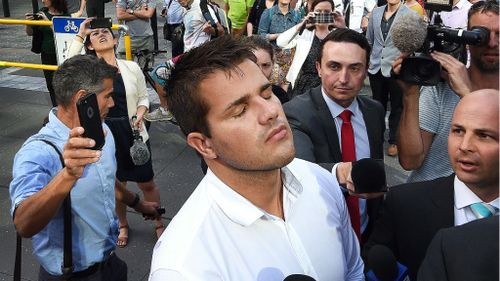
(66,24)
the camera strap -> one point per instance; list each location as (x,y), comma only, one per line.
(67,266)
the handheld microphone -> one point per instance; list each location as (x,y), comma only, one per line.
(368,175)
(409,32)
(384,266)
(139,151)
(298,277)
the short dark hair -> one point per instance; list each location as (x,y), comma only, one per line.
(184,100)
(316,2)
(258,42)
(348,36)
(81,72)
(60,6)
(482,7)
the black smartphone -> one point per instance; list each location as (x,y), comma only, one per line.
(90,119)
(100,23)
(35,16)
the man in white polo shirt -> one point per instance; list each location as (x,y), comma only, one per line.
(258,214)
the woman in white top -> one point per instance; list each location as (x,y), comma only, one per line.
(131,103)
(303,74)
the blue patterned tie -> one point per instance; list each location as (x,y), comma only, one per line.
(483,210)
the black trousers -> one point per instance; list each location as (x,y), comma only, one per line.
(52,60)
(95,8)
(386,89)
(113,269)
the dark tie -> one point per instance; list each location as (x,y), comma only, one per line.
(349,155)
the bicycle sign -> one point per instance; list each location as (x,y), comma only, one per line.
(65,29)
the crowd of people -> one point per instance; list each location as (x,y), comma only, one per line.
(271,103)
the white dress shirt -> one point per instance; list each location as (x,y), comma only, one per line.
(457,17)
(464,197)
(220,235)
(360,141)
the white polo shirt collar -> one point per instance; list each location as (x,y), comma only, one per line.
(243,212)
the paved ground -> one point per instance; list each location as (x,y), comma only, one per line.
(24,104)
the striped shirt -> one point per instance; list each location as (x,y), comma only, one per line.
(435,113)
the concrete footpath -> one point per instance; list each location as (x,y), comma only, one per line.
(24,104)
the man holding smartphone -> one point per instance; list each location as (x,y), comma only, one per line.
(40,183)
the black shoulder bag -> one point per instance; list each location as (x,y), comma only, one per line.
(67,266)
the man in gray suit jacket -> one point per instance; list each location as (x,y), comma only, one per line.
(315,115)
(385,88)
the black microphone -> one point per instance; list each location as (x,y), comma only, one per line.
(384,266)
(409,32)
(368,175)
(298,277)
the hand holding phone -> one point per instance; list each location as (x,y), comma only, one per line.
(90,119)
(33,16)
(77,153)
(322,18)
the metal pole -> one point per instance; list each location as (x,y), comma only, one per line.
(34,3)
(154,26)
(6,9)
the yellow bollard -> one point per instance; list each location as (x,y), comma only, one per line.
(128,50)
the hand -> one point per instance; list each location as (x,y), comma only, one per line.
(137,121)
(84,29)
(364,23)
(207,28)
(456,75)
(163,12)
(344,178)
(396,68)
(77,153)
(339,20)
(307,20)
(29,16)
(148,209)
(42,16)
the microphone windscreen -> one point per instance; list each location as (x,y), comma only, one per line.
(409,32)
(298,277)
(368,175)
(383,263)
(139,152)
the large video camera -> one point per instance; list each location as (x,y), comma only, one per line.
(422,69)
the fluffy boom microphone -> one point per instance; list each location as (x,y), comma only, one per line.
(409,32)
(139,151)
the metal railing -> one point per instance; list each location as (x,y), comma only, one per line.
(123,29)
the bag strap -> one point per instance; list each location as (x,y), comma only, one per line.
(67,266)
(19,254)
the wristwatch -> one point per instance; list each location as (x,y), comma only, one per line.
(131,11)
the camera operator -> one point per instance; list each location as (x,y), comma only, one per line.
(40,183)
(427,111)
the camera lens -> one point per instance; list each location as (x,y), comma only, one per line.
(90,112)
